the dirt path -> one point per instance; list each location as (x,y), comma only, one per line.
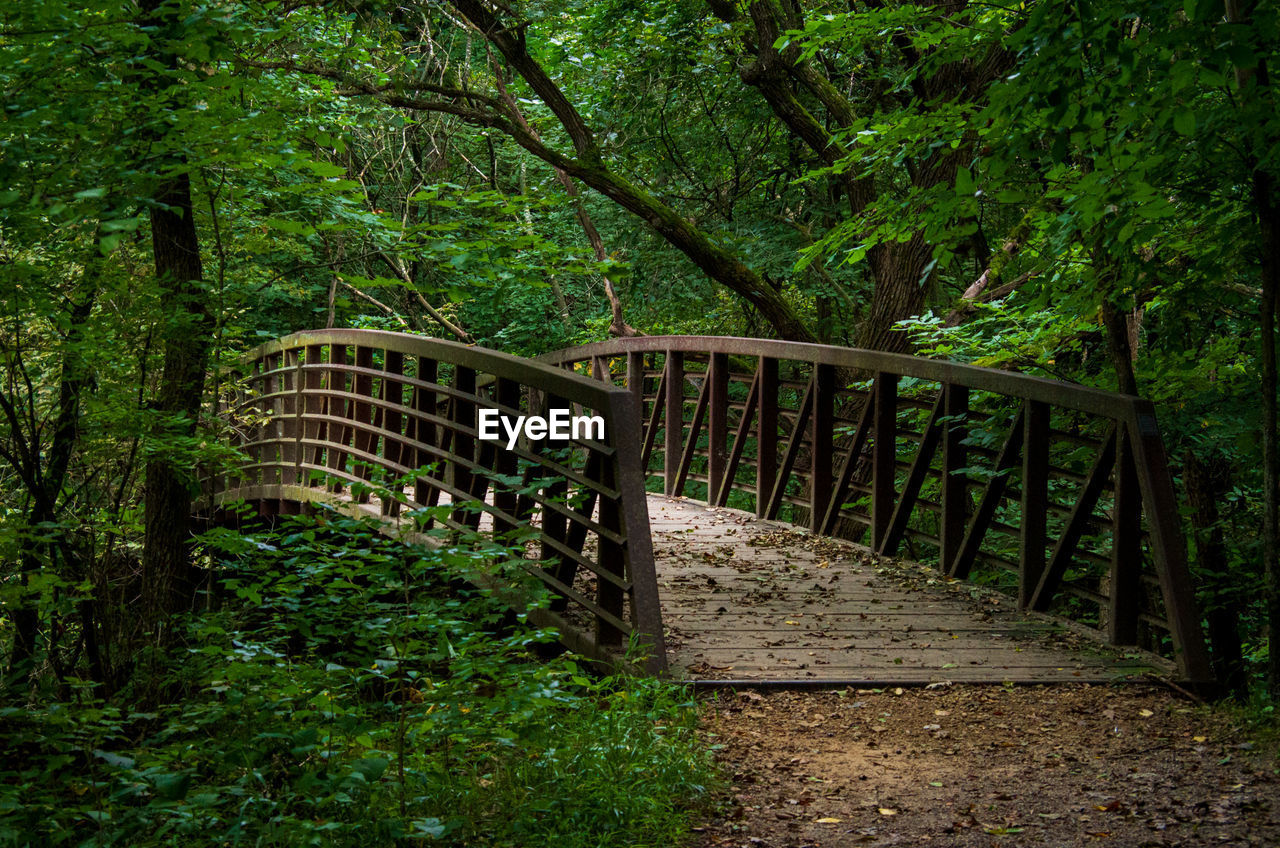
(987,766)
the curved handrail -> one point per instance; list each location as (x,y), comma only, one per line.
(378,422)
(1101,449)
(1056,392)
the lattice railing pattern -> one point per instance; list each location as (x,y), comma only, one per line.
(1059,493)
(386,423)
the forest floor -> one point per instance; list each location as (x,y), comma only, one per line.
(986,766)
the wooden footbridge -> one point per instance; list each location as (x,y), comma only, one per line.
(757,510)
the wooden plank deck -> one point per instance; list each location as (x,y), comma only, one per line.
(753,600)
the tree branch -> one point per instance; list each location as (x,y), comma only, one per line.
(401,272)
(618,325)
(371,299)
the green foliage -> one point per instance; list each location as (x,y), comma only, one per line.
(346,689)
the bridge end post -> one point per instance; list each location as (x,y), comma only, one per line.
(632,515)
(1168,545)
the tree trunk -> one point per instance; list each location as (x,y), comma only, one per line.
(185,336)
(47,469)
(1205,480)
(1269,226)
(898,294)
(1119,351)
(1254,83)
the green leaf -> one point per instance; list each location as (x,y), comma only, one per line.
(172,787)
(117,225)
(326,169)
(113,759)
(284,226)
(430,828)
(1184,122)
(371,768)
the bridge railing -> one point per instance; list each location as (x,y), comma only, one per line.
(1059,493)
(387,424)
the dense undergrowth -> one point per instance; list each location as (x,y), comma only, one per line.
(345,689)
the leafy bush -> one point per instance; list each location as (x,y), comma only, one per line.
(346,689)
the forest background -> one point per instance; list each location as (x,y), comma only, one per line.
(1084,190)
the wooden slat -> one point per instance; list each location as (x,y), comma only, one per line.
(335,459)
(739,443)
(363,439)
(463,413)
(1066,544)
(392,421)
(793,451)
(915,479)
(651,428)
(506,463)
(849,466)
(312,403)
(691,440)
(986,511)
(612,561)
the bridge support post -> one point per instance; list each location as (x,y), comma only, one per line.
(717,422)
(766,434)
(821,443)
(362,440)
(392,392)
(1126,548)
(954,458)
(673,444)
(290,418)
(884,457)
(505,463)
(336,381)
(313,403)
(1035,498)
(635,378)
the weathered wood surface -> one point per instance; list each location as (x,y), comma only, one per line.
(995,475)
(348,413)
(744,599)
